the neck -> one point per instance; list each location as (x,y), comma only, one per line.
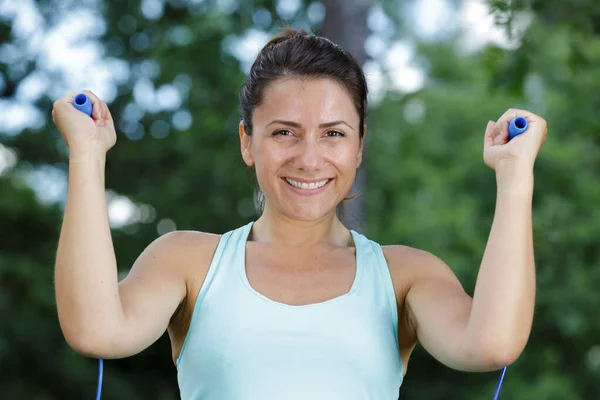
(279,229)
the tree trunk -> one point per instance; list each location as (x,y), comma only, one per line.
(346,25)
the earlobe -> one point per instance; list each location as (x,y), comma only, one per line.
(359,155)
(361,147)
(246,145)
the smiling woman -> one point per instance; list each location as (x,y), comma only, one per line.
(294,305)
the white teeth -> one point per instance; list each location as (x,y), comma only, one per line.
(304,185)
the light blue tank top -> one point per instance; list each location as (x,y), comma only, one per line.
(242,345)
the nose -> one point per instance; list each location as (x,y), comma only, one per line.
(309,157)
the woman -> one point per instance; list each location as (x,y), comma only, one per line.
(295,305)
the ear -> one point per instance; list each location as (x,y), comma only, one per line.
(361,146)
(246,145)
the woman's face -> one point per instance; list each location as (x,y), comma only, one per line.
(305,146)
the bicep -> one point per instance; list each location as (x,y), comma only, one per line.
(151,292)
(439,312)
(437,307)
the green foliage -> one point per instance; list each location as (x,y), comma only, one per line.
(427,187)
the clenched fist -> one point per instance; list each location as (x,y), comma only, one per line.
(522,150)
(82,133)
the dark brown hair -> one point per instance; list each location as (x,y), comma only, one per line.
(299,54)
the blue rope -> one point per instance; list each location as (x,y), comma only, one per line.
(499,383)
(100,375)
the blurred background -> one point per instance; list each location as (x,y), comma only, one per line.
(170,71)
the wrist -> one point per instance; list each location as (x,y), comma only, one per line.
(95,157)
(514,176)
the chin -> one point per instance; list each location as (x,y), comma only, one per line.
(308,216)
(308,212)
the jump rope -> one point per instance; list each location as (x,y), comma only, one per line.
(83,104)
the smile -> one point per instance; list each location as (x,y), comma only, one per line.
(313,185)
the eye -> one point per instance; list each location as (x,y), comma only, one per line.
(282,132)
(334,134)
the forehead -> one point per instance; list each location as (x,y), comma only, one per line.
(306,99)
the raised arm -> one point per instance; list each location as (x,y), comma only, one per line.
(490,330)
(98,316)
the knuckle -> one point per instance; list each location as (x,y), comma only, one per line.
(90,93)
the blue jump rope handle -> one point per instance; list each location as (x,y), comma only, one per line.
(84,104)
(516,127)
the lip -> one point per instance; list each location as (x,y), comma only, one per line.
(306,192)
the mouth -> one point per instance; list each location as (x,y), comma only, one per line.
(308,187)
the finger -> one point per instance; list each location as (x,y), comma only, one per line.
(509,115)
(488,139)
(500,134)
(489,128)
(102,110)
(107,114)
(538,128)
(103,113)
(65,102)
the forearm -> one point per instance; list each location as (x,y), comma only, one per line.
(86,279)
(503,302)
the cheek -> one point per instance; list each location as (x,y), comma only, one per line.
(268,159)
(345,157)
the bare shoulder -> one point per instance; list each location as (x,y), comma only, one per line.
(408,265)
(190,254)
(174,257)
(184,239)
(188,241)
(185,249)
(198,249)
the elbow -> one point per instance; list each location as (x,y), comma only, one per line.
(500,358)
(85,342)
(500,354)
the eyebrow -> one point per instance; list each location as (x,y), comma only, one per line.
(323,125)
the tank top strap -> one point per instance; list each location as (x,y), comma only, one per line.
(224,260)
(376,270)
